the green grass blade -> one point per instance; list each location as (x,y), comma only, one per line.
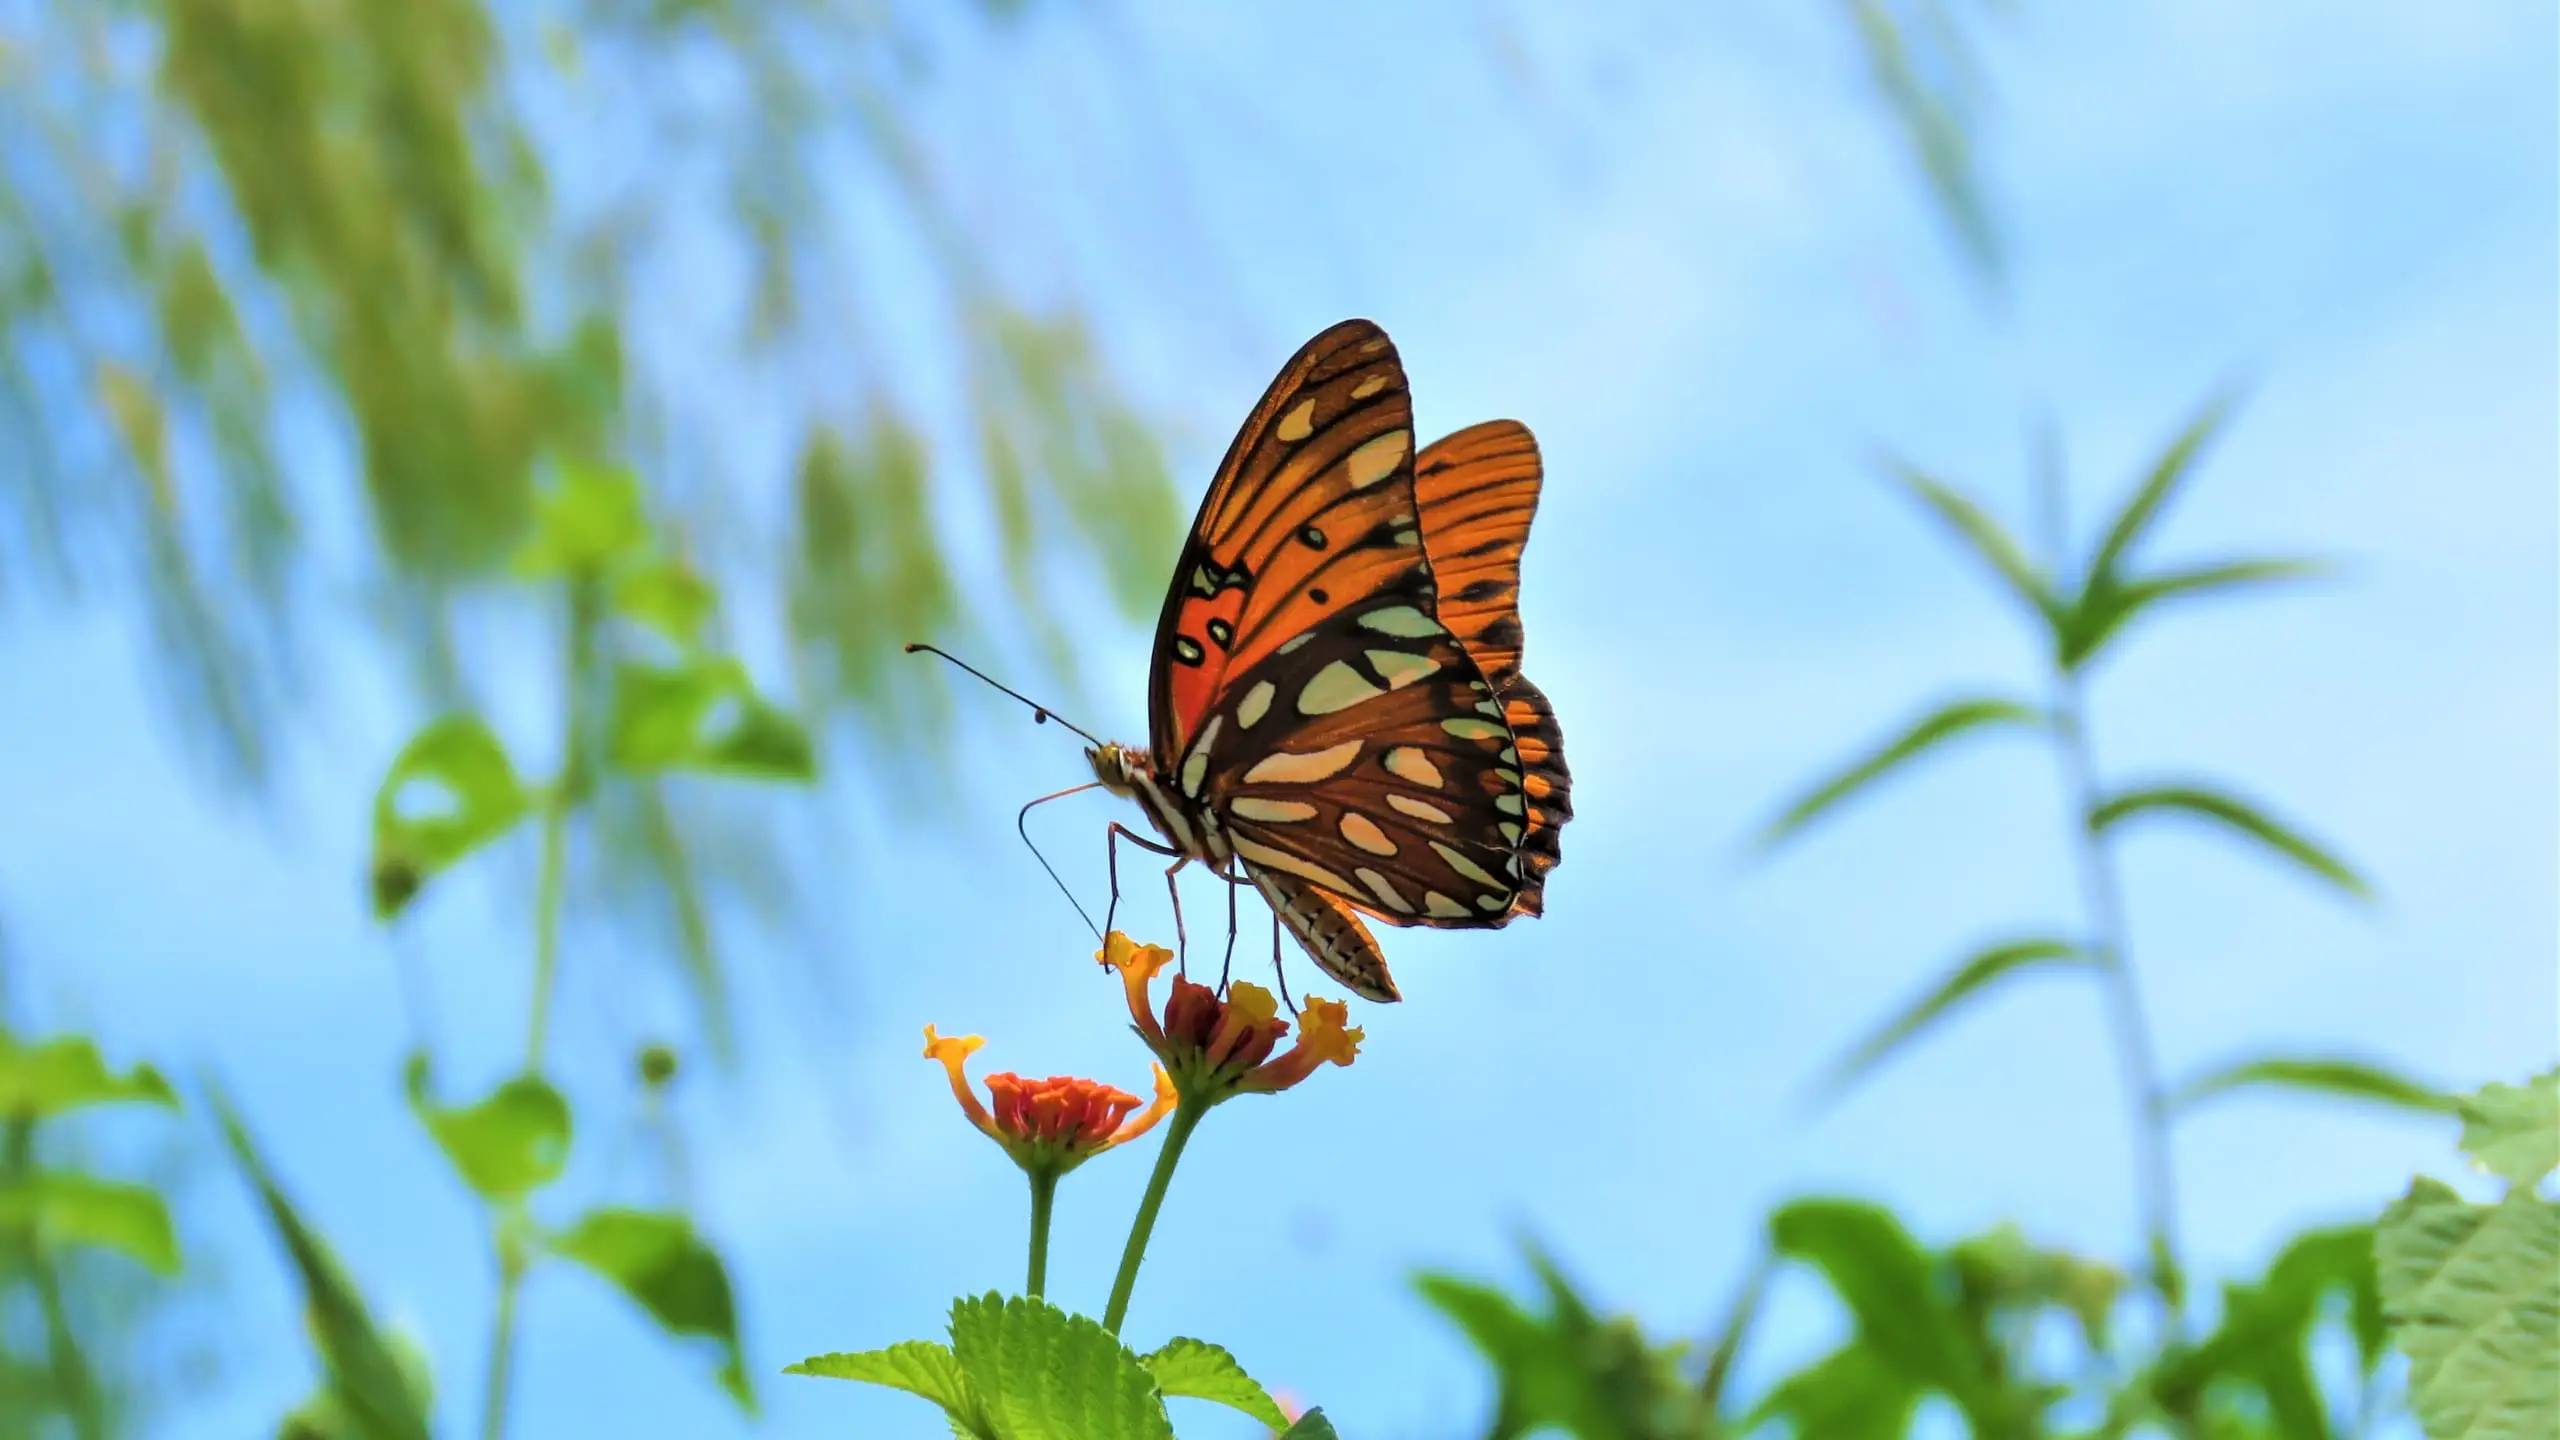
(2106,607)
(1982,535)
(2350,1079)
(2143,506)
(1947,722)
(1979,970)
(2234,815)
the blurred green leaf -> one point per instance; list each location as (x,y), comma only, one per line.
(2143,506)
(66,1073)
(1989,543)
(868,572)
(2472,1295)
(668,597)
(2234,815)
(1199,1370)
(2000,1271)
(1569,1368)
(2351,1079)
(66,1208)
(1889,1284)
(506,1146)
(1946,722)
(1853,1393)
(1047,1375)
(585,526)
(367,1377)
(2262,1347)
(451,790)
(919,1367)
(1926,78)
(2514,1130)
(2106,606)
(656,1259)
(703,715)
(1980,969)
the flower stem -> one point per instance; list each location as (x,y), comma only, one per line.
(502,1346)
(565,792)
(2104,901)
(1044,1191)
(1186,1116)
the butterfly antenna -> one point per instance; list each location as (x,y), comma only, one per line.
(1040,714)
(1021,827)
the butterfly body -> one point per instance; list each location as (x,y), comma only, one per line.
(1336,706)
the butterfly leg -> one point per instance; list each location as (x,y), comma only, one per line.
(1280,974)
(1111,848)
(1181,942)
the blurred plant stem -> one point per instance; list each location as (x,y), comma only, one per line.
(2102,898)
(1186,1118)
(562,796)
(75,1389)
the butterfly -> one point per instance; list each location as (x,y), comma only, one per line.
(1335,704)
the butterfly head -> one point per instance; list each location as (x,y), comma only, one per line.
(1119,767)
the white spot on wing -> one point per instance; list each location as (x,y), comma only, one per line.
(1473,729)
(1304,869)
(1362,831)
(1412,766)
(1336,687)
(1195,767)
(1299,423)
(1401,668)
(1442,906)
(1256,702)
(1281,812)
(1419,809)
(1405,622)
(1459,862)
(1380,886)
(1283,767)
(1377,459)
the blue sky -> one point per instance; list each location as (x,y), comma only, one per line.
(1681,248)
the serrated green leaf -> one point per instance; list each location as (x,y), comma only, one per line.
(2236,816)
(1046,1375)
(60,1208)
(66,1073)
(2472,1295)
(1198,1370)
(585,524)
(2143,506)
(2106,606)
(1311,1426)
(1979,970)
(2514,1130)
(506,1146)
(1947,722)
(658,1260)
(704,715)
(2351,1079)
(919,1367)
(449,792)
(1989,543)
(372,1384)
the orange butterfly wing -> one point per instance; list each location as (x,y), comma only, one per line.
(1309,695)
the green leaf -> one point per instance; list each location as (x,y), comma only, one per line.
(1986,539)
(2262,1346)
(2514,1130)
(2106,606)
(1850,1394)
(1980,969)
(2472,1295)
(668,597)
(2000,1270)
(919,1367)
(512,1143)
(1199,1370)
(1890,1285)
(2143,506)
(586,523)
(658,1260)
(1047,1375)
(2351,1079)
(65,1208)
(1570,1369)
(66,1073)
(2234,815)
(1947,722)
(704,715)
(372,1384)
(1311,1426)
(451,791)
